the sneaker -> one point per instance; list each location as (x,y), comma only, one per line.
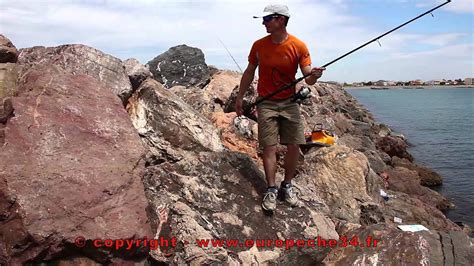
(269,199)
(288,194)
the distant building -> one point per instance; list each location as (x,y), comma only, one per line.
(468,81)
(381,83)
(416,82)
(434,82)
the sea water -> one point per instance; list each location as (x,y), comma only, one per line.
(438,123)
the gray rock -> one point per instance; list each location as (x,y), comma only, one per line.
(180,65)
(8,51)
(137,73)
(396,247)
(249,98)
(214,96)
(168,125)
(339,170)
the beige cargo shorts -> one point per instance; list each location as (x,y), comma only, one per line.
(279,121)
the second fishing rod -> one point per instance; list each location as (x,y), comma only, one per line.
(293,83)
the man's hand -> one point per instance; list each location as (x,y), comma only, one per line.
(314,74)
(245,82)
(238,106)
(317,72)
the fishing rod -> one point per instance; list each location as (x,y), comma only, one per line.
(293,83)
(230,54)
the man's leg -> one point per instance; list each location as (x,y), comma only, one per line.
(270,164)
(291,133)
(268,139)
(286,192)
(291,161)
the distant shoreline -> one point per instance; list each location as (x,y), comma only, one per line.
(413,87)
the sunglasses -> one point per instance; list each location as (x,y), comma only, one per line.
(270,17)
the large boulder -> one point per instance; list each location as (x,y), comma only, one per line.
(81,59)
(394,146)
(222,85)
(168,125)
(180,65)
(137,73)
(8,51)
(415,211)
(408,181)
(335,171)
(70,167)
(214,96)
(427,176)
(250,97)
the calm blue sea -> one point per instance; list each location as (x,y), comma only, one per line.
(438,123)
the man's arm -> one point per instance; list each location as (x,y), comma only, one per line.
(316,73)
(245,82)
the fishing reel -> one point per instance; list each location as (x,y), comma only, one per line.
(303,94)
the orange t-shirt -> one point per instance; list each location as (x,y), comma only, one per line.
(278,63)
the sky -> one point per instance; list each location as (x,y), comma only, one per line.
(429,48)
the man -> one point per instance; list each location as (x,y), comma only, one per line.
(278,56)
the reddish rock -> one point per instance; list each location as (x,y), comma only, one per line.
(232,139)
(408,181)
(394,146)
(70,166)
(427,176)
(222,84)
(413,210)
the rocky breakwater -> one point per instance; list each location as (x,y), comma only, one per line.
(202,175)
(205,180)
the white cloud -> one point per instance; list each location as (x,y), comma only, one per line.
(144,29)
(458,6)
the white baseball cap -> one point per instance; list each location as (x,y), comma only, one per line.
(275,9)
